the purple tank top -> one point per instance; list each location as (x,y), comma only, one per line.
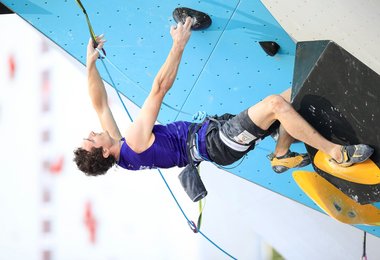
(167,150)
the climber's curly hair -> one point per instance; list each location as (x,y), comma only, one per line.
(93,163)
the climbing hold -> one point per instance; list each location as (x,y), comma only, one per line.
(271,48)
(5,10)
(364,173)
(200,20)
(334,202)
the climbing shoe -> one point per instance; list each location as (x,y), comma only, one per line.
(354,154)
(289,160)
(200,20)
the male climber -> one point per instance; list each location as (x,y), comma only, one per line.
(222,140)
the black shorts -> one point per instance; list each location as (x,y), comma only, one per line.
(230,137)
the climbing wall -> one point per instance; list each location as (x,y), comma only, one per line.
(223,69)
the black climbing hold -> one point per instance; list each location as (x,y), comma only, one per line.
(5,10)
(200,20)
(271,48)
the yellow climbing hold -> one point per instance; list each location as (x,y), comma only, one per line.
(365,173)
(334,202)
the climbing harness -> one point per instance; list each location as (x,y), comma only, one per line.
(195,228)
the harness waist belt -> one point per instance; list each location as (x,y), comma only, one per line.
(195,156)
